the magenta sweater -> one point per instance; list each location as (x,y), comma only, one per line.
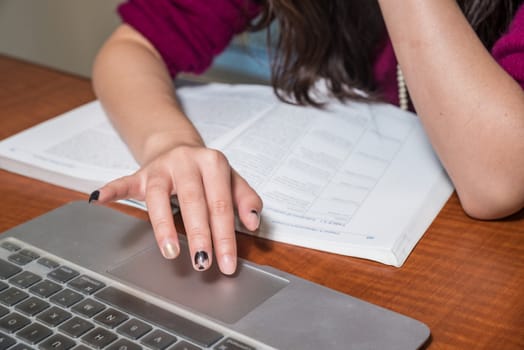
(190,33)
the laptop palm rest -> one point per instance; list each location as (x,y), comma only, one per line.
(260,302)
(224,298)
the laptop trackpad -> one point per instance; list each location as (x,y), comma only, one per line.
(224,298)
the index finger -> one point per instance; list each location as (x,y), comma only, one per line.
(158,201)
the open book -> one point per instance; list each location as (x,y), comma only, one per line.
(356,179)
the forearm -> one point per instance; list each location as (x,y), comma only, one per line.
(137,93)
(472,110)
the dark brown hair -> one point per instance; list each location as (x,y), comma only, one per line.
(337,40)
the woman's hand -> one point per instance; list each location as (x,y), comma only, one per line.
(137,92)
(208,191)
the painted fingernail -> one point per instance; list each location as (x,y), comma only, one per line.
(169,249)
(94,196)
(228,264)
(201,260)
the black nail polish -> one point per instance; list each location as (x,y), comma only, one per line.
(201,260)
(94,196)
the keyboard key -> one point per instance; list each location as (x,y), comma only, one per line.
(3,311)
(32,306)
(12,296)
(21,346)
(81,347)
(232,344)
(12,247)
(48,263)
(99,338)
(45,288)
(53,316)
(62,274)
(124,344)
(5,341)
(86,285)
(183,345)
(30,254)
(58,342)
(88,307)
(111,318)
(13,322)
(19,259)
(134,328)
(158,340)
(172,322)
(66,297)
(76,326)
(7,269)
(34,333)
(25,279)
(3,285)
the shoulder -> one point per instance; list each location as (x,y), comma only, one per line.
(514,37)
(509,48)
(188,33)
(234,10)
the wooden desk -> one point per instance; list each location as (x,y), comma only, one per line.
(465,279)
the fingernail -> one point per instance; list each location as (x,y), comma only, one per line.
(94,196)
(169,249)
(254,220)
(201,260)
(228,264)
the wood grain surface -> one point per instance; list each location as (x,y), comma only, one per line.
(464,279)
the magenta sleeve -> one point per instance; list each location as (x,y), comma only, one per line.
(509,49)
(188,34)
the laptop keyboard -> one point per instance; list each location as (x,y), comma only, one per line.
(46,304)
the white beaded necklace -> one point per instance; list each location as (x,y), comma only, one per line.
(403,97)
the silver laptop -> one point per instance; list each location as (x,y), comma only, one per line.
(85,276)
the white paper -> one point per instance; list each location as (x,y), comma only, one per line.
(357,179)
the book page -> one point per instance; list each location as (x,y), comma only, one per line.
(82,151)
(358,179)
(345,179)
(75,144)
(220,112)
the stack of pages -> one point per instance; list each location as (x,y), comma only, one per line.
(358,179)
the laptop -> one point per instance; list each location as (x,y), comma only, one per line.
(85,276)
